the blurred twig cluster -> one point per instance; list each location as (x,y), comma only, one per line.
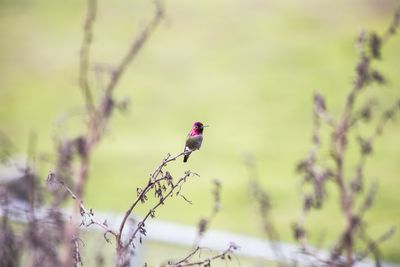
(316,171)
(264,207)
(342,129)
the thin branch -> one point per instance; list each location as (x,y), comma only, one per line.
(393,27)
(136,46)
(191,254)
(262,199)
(83,210)
(387,115)
(142,193)
(372,245)
(185,262)
(85,53)
(204,223)
(77,254)
(152,210)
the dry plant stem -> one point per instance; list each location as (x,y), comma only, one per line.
(319,260)
(154,183)
(98,114)
(71,230)
(372,245)
(136,46)
(185,262)
(340,141)
(161,202)
(85,54)
(204,223)
(77,255)
(86,212)
(186,259)
(98,120)
(317,172)
(263,200)
(153,180)
(387,115)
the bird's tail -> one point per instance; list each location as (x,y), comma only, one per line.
(185,158)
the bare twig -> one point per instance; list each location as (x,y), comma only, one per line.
(77,254)
(163,186)
(83,210)
(154,179)
(185,262)
(85,53)
(141,224)
(373,245)
(264,206)
(136,46)
(205,222)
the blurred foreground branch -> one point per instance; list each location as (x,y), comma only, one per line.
(318,173)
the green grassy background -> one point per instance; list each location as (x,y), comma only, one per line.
(248,68)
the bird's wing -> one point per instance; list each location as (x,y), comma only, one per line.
(186,142)
(194,142)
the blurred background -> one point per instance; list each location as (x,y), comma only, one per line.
(248,68)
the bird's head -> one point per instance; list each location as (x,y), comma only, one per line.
(198,127)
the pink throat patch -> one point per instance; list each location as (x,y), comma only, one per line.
(195,132)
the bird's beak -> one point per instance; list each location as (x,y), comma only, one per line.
(204,126)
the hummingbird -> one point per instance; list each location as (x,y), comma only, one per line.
(194,139)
